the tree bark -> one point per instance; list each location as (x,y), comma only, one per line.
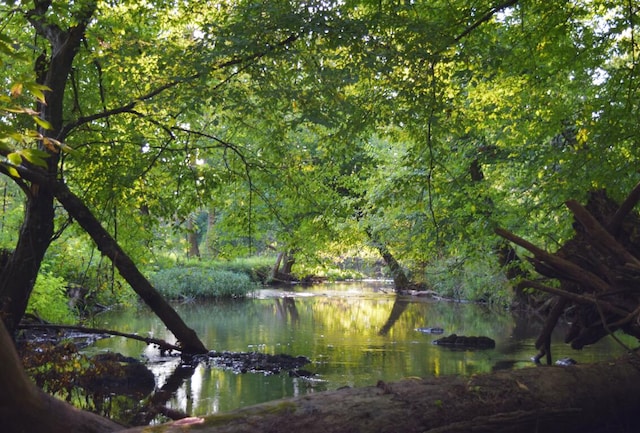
(210,237)
(25,408)
(586,398)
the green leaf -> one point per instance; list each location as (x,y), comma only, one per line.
(42,123)
(37,90)
(13,172)
(15,158)
(35,157)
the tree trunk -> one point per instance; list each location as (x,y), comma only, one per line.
(210,238)
(281,270)
(25,408)
(275,270)
(289,261)
(20,273)
(586,398)
(400,280)
(126,267)
(192,238)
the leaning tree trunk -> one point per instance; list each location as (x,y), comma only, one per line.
(400,280)
(126,267)
(586,398)
(187,338)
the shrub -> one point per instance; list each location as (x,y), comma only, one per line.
(49,300)
(196,282)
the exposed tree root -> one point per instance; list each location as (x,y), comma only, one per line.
(598,270)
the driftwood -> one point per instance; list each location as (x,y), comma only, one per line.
(598,270)
(583,398)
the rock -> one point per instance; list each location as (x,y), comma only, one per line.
(255,362)
(462,342)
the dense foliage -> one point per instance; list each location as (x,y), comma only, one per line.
(318,128)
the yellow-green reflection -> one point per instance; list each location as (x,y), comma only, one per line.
(354,335)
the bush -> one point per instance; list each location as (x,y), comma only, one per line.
(196,282)
(49,300)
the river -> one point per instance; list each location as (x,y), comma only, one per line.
(354,334)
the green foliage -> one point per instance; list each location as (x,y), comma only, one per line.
(49,301)
(197,282)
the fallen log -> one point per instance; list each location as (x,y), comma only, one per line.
(584,398)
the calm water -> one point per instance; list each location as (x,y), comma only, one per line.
(355,334)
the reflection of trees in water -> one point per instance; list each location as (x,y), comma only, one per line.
(399,306)
(157,403)
(286,307)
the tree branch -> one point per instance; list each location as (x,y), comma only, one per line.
(486,17)
(163,345)
(571,270)
(129,107)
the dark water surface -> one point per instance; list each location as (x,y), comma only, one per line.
(354,334)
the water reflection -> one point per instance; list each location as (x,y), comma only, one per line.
(354,334)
